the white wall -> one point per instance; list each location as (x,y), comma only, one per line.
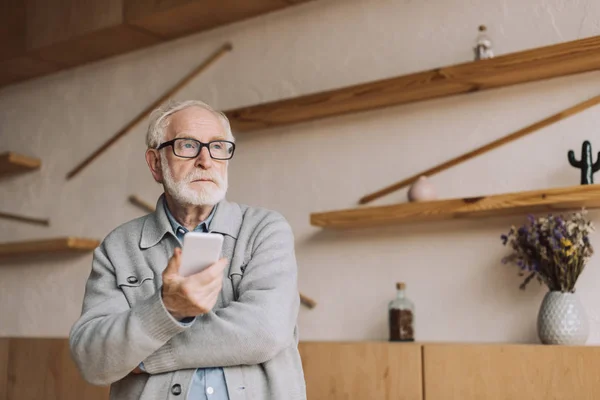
(452,269)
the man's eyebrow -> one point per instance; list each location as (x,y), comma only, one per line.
(186,135)
(182,134)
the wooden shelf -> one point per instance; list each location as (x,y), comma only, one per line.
(566,198)
(525,66)
(49,246)
(13,163)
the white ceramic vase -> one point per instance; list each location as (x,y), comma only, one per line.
(562,320)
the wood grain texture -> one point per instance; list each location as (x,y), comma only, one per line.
(96,45)
(484,149)
(4,349)
(48,246)
(13,163)
(42,368)
(13,35)
(51,22)
(565,198)
(25,67)
(526,66)
(511,372)
(41,37)
(362,370)
(176,18)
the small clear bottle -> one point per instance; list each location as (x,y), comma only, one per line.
(401,314)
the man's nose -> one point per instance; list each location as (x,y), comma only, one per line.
(204,160)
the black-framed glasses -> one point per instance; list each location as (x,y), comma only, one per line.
(190,148)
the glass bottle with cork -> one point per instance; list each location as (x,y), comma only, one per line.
(401,312)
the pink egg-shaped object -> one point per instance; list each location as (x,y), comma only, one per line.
(422,190)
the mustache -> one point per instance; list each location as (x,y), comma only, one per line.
(199,174)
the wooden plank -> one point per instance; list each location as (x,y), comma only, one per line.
(175,18)
(509,372)
(24,218)
(362,370)
(307,301)
(14,163)
(43,369)
(144,205)
(49,246)
(525,66)
(566,198)
(12,29)
(4,352)
(58,21)
(25,67)
(97,45)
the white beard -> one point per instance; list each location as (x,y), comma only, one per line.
(184,194)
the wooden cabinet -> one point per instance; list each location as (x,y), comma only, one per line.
(381,370)
(39,368)
(362,370)
(34,369)
(511,372)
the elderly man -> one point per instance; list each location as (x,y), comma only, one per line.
(228,332)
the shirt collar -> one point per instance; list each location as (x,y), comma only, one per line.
(226,219)
(203,226)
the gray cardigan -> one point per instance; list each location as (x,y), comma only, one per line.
(251,332)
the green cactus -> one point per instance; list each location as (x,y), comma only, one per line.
(587,166)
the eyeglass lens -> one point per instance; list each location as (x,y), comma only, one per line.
(191,148)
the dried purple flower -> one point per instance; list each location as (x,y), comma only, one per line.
(553,249)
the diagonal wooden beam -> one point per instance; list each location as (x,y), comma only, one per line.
(135,200)
(307,301)
(483,149)
(214,57)
(22,218)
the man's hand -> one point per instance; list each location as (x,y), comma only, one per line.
(193,295)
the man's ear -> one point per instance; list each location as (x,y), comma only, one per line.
(153,161)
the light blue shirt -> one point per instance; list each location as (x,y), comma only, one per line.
(208,383)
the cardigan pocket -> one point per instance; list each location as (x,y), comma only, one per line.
(136,285)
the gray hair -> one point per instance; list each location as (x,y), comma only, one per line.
(159,120)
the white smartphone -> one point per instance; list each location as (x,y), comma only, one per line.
(200,250)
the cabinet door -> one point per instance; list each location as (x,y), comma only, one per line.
(43,369)
(364,370)
(511,372)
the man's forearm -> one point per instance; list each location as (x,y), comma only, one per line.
(252,329)
(236,335)
(110,339)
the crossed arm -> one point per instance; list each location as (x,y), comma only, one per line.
(111,339)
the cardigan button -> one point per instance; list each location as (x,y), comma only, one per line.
(132,279)
(176,389)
